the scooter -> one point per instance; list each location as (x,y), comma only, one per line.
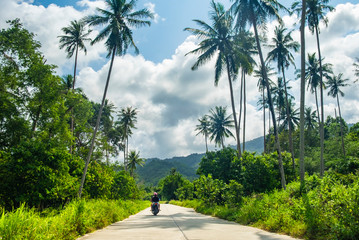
(155,208)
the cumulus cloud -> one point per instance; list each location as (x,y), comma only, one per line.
(169,96)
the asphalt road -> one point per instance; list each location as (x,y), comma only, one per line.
(178,223)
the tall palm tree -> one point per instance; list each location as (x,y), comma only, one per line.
(279,96)
(128,119)
(218,38)
(290,120)
(310,119)
(334,84)
(312,76)
(220,125)
(203,128)
(245,43)
(261,86)
(316,12)
(255,13)
(74,39)
(134,160)
(281,53)
(119,21)
(302,93)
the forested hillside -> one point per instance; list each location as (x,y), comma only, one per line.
(156,169)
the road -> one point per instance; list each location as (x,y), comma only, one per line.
(178,223)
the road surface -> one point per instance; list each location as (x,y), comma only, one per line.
(179,223)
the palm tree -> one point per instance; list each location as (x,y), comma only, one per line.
(356,70)
(279,96)
(310,119)
(255,12)
(312,76)
(220,125)
(261,86)
(302,93)
(128,119)
(291,120)
(315,12)
(218,38)
(334,84)
(134,160)
(246,45)
(283,44)
(74,39)
(119,22)
(203,128)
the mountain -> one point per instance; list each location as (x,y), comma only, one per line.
(155,169)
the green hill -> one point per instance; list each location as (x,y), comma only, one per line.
(156,169)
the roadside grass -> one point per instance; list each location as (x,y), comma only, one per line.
(326,209)
(76,219)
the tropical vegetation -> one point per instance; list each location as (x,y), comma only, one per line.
(57,176)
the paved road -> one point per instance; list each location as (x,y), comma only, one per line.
(178,223)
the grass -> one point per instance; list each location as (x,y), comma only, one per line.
(76,219)
(327,209)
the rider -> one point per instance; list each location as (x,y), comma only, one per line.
(154,199)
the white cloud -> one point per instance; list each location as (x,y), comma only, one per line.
(156,17)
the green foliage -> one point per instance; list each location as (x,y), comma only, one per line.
(171,183)
(37,174)
(124,187)
(322,209)
(77,218)
(257,173)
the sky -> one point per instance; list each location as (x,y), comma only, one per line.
(159,82)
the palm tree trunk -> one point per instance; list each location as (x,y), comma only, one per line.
(302,93)
(316,103)
(264,122)
(244,111)
(321,123)
(97,125)
(288,117)
(77,51)
(270,102)
(341,126)
(205,138)
(73,88)
(240,105)
(234,111)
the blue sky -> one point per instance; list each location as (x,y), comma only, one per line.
(160,40)
(159,82)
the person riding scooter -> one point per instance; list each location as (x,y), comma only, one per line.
(155,199)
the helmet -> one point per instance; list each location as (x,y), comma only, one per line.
(155,193)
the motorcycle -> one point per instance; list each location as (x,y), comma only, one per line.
(155,208)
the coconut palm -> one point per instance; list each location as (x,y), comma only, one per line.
(281,53)
(310,119)
(261,86)
(334,84)
(302,92)
(293,120)
(220,125)
(74,39)
(119,21)
(203,128)
(128,119)
(255,13)
(315,12)
(133,161)
(218,39)
(312,76)
(245,44)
